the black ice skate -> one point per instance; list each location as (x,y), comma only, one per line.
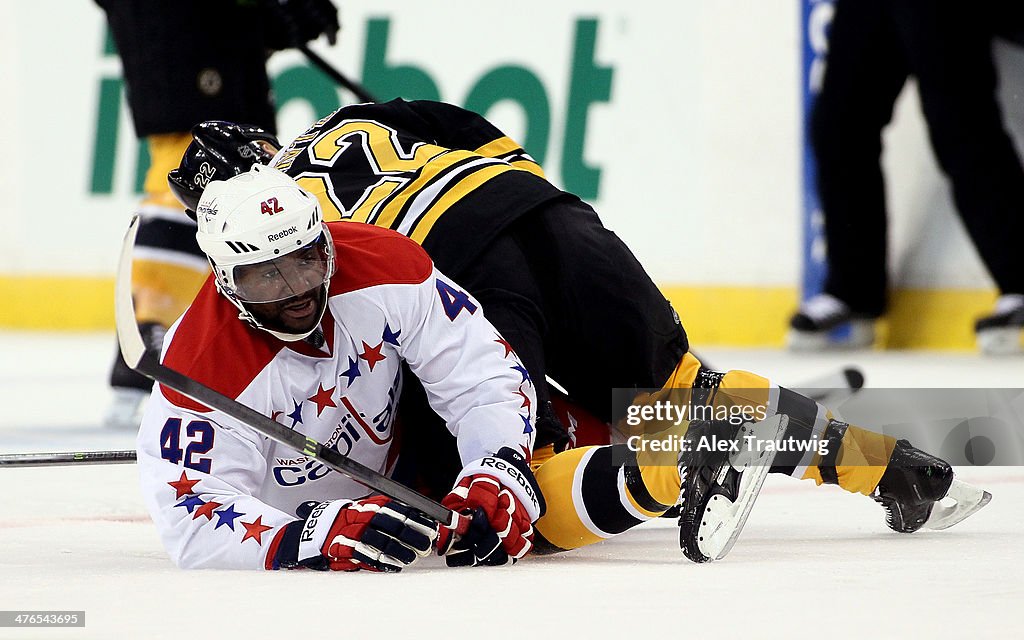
(825,322)
(719,488)
(917,490)
(1002,332)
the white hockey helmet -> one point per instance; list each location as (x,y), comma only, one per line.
(247,225)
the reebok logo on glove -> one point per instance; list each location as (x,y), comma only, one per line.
(310,526)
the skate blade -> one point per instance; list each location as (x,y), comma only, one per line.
(723,519)
(1001,341)
(967,500)
(851,335)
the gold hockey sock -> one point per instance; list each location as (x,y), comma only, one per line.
(168,268)
(163,290)
(859,461)
(856,458)
(165,152)
(595,493)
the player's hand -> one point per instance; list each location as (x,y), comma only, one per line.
(377,534)
(501,496)
(293,23)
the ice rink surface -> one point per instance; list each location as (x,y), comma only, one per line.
(812,561)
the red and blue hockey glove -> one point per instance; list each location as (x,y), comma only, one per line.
(377,534)
(501,496)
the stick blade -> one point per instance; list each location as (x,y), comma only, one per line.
(128,336)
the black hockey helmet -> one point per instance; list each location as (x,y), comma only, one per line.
(219,150)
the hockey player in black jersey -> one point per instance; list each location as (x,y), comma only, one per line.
(576,305)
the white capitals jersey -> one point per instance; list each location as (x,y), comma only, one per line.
(220,493)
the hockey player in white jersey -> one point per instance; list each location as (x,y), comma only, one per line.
(309,323)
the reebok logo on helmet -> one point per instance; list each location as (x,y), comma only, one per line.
(281,234)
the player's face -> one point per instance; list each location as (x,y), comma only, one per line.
(287,293)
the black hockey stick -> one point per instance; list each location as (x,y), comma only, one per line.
(147,363)
(125,456)
(834,388)
(329,70)
(827,389)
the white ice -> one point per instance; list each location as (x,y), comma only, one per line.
(812,561)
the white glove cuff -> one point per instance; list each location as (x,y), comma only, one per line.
(317,527)
(509,477)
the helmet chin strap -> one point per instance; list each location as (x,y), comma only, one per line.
(287,337)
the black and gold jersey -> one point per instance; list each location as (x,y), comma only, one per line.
(443,176)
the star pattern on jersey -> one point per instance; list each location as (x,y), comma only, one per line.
(227,517)
(372,355)
(322,399)
(206,509)
(190,503)
(182,486)
(526,398)
(353,370)
(523,372)
(527,427)
(296,414)
(255,530)
(389,336)
(505,345)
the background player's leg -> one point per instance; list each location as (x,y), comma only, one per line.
(168,266)
(950,52)
(167,270)
(865,72)
(184,62)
